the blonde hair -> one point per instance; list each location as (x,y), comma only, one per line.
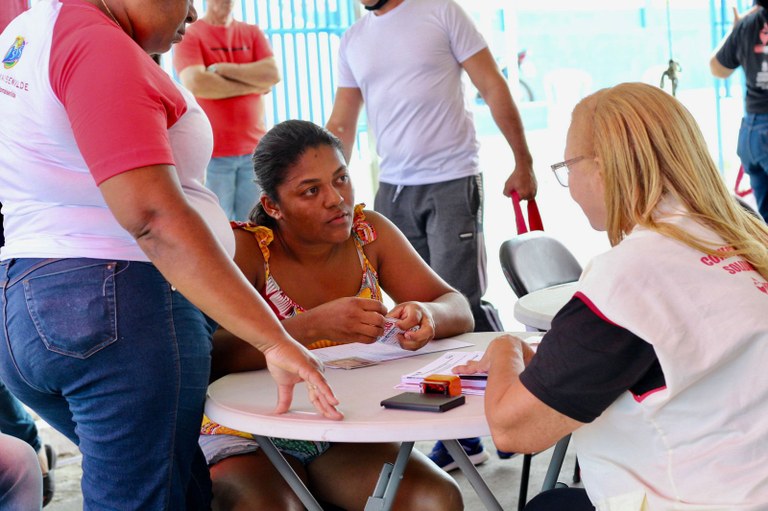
(650,147)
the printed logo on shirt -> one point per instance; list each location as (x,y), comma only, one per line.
(14,53)
(711,260)
(733,268)
(761,48)
(231,49)
(761,285)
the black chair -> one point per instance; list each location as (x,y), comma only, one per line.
(530,262)
(534,261)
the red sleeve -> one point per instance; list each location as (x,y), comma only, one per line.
(261,47)
(188,52)
(119,102)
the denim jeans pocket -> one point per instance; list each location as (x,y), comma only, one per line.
(74,310)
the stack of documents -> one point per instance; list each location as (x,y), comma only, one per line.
(473,384)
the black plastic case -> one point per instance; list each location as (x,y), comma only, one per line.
(423,402)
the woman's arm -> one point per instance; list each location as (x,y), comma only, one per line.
(422,296)
(519,421)
(210,85)
(263,74)
(148,202)
(582,366)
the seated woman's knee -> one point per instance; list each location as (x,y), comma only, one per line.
(427,488)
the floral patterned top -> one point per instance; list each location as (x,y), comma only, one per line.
(284,307)
(282,304)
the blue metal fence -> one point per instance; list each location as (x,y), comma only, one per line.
(305,36)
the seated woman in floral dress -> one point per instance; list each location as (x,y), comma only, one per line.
(321,263)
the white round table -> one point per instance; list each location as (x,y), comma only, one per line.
(246,401)
(536,309)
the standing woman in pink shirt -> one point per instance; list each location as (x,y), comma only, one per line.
(115,252)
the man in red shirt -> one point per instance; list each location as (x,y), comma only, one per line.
(228,66)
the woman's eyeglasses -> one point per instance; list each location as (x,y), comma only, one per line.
(561,170)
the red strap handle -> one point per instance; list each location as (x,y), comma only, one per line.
(739,177)
(534,218)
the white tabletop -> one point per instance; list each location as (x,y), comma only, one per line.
(536,309)
(245,401)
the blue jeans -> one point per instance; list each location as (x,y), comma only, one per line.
(115,359)
(752,148)
(232,179)
(21,482)
(16,421)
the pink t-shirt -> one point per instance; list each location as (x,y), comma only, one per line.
(238,122)
(82,102)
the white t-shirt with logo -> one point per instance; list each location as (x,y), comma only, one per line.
(81,103)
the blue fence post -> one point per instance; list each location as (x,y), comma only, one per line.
(302,34)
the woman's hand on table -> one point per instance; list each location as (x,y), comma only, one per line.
(290,363)
(410,315)
(503,346)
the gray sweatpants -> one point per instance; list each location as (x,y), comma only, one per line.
(444,223)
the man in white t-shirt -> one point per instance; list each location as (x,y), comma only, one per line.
(404,61)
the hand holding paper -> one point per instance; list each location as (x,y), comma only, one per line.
(348,319)
(416,323)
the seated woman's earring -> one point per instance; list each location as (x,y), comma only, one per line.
(270,209)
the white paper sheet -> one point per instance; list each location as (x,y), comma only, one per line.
(379,352)
(442,365)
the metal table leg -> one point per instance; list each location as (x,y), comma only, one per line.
(290,476)
(389,480)
(462,460)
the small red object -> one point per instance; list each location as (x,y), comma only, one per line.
(445,384)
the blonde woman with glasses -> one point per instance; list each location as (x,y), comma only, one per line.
(656,365)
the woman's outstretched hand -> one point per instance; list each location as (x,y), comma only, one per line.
(290,363)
